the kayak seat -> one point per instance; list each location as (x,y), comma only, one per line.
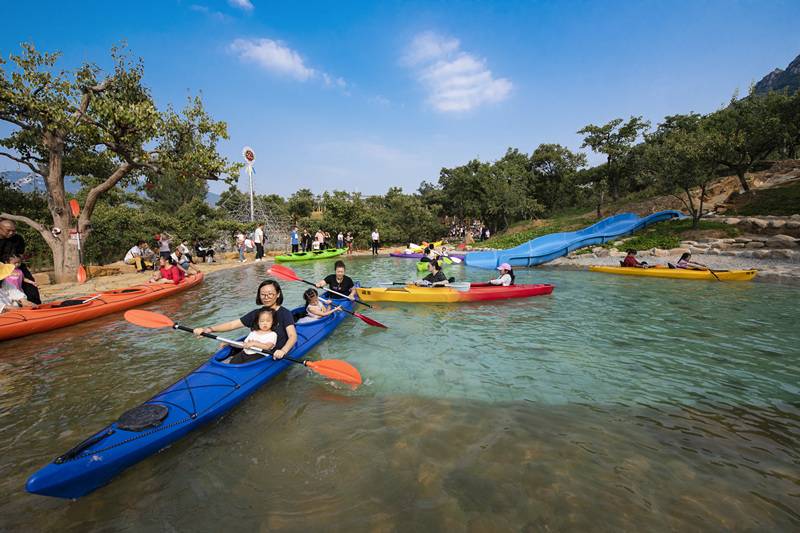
(69,303)
(142,417)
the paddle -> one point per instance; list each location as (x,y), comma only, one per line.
(331,368)
(456,260)
(283,272)
(76,211)
(366,319)
(460,286)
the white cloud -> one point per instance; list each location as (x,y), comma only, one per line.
(273,56)
(427,46)
(276,57)
(244,5)
(380,100)
(216,15)
(456,81)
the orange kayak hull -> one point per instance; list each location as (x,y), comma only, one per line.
(47,317)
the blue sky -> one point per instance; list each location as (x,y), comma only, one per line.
(365,95)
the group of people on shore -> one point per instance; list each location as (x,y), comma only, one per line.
(18,288)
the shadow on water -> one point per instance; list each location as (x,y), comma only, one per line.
(614,404)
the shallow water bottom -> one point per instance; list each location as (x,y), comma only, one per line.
(332,462)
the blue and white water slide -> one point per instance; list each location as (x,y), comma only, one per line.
(548,247)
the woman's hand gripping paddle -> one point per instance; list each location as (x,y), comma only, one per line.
(286,273)
(330,368)
(366,319)
(76,211)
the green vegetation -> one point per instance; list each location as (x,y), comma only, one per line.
(778,201)
(561,223)
(668,235)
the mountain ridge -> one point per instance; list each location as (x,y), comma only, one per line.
(780,79)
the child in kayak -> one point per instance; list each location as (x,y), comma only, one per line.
(436,278)
(506,277)
(686,262)
(631,261)
(315,309)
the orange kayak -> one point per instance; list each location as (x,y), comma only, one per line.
(53,315)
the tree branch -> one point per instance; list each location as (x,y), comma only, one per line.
(19,218)
(91,199)
(22,161)
(88,92)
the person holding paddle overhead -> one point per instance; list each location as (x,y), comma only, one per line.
(338,282)
(435,278)
(269,296)
(506,277)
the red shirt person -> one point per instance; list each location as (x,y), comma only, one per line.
(631,261)
(168,272)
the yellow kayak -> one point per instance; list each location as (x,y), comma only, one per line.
(678,273)
(418,248)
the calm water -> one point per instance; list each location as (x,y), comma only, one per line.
(613,404)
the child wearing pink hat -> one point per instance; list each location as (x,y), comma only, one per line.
(506,277)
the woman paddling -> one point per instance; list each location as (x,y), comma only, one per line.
(435,278)
(338,282)
(686,262)
(269,296)
(506,277)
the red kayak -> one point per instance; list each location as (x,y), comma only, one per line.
(47,317)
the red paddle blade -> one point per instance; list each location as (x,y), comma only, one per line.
(148,319)
(369,321)
(82,274)
(74,207)
(336,369)
(282,272)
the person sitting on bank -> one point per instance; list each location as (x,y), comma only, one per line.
(136,257)
(204,253)
(506,277)
(315,309)
(631,261)
(435,278)
(686,262)
(186,251)
(338,282)
(168,272)
(182,262)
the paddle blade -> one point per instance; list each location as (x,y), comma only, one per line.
(282,272)
(148,319)
(369,321)
(74,207)
(82,274)
(336,370)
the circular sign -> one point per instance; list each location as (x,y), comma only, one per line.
(249,155)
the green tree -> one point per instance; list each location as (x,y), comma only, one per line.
(747,131)
(681,157)
(615,140)
(169,191)
(85,123)
(301,204)
(554,168)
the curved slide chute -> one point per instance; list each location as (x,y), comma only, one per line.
(548,247)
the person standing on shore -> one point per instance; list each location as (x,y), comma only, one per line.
(240,246)
(164,243)
(306,242)
(12,243)
(349,240)
(295,240)
(340,240)
(376,241)
(258,238)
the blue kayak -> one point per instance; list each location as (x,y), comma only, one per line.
(201,396)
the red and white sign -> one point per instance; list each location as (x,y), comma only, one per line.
(249,155)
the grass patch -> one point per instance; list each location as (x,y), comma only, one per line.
(777,201)
(509,240)
(668,235)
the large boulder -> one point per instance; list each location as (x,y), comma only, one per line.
(781,241)
(732,221)
(753,245)
(759,223)
(777,224)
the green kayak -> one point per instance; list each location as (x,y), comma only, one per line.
(422,266)
(309,256)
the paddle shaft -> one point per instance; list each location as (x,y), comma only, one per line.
(237,344)
(336,293)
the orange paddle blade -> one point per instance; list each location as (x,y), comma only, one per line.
(282,272)
(74,207)
(148,319)
(82,274)
(336,369)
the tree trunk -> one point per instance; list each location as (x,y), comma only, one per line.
(65,258)
(742,180)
